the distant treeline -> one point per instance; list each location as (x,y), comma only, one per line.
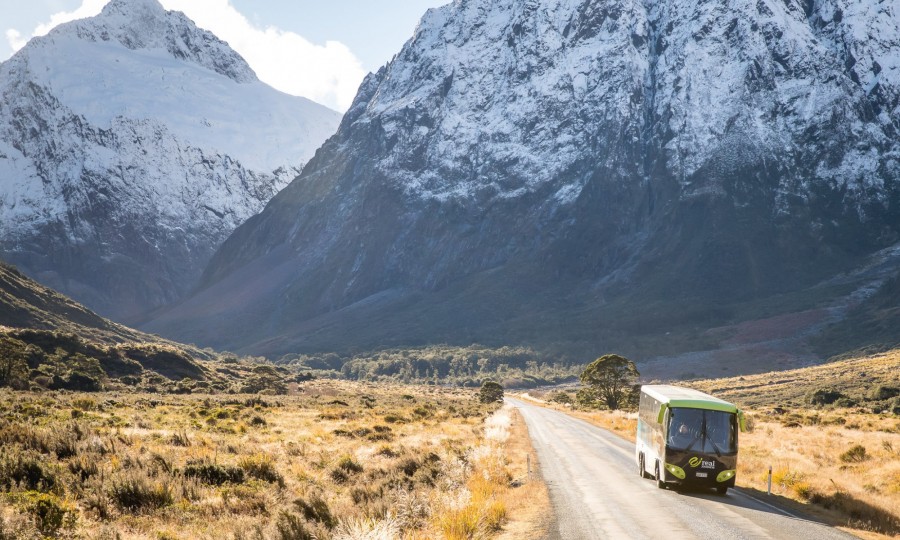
(513,367)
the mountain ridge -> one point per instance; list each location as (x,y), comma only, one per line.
(590,176)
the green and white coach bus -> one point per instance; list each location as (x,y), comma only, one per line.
(687,438)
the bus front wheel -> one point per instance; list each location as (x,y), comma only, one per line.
(660,483)
(641,470)
(723,490)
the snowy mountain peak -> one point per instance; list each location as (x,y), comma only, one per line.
(131,144)
(145,24)
(129,8)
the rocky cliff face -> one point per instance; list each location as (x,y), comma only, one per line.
(576,172)
(131,145)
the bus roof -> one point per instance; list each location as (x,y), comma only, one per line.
(677,396)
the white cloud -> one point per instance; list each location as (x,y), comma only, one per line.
(15,39)
(329,74)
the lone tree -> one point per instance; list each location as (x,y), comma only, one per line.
(490,392)
(611,378)
(13,366)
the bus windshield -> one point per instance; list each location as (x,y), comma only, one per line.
(700,430)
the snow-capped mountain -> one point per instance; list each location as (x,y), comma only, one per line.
(576,171)
(131,145)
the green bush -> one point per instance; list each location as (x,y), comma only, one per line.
(49,512)
(25,470)
(562,398)
(846,402)
(882,392)
(490,392)
(213,474)
(824,396)
(78,382)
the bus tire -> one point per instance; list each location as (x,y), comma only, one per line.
(660,483)
(723,490)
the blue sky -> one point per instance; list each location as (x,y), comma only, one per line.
(318,49)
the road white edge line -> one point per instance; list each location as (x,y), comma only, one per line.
(740,492)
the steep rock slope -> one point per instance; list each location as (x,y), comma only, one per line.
(578,173)
(131,145)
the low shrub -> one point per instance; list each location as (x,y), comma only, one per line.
(136,493)
(78,382)
(824,396)
(562,398)
(261,467)
(26,470)
(856,454)
(846,402)
(882,392)
(346,466)
(49,512)
(213,474)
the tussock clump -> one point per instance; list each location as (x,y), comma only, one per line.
(180,438)
(315,509)
(348,465)
(215,475)
(261,467)
(386,451)
(856,454)
(134,492)
(290,526)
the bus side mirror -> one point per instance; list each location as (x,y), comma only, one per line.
(662,414)
(742,422)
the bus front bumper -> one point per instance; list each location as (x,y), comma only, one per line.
(673,474)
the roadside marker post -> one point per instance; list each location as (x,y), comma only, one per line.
(769,491)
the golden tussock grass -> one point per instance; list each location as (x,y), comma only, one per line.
(335,460)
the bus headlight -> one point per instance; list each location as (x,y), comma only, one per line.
(675,471)
(725,476)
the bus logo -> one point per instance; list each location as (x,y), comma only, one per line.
(694,461)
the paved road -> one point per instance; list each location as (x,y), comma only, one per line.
(597,493)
